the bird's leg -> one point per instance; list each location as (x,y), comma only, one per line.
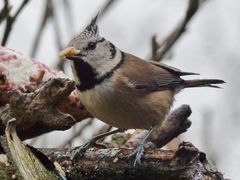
(140,149)
(89,143)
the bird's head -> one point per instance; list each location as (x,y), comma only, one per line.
(95,51)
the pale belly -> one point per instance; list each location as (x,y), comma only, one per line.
(120,111)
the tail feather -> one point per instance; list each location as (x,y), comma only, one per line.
(203,83)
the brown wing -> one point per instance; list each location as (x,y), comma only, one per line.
(172,69)
(150,76)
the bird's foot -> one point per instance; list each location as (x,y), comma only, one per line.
(137,155)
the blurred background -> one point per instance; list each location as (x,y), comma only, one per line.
(210,46)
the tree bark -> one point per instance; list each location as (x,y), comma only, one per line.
(187,162)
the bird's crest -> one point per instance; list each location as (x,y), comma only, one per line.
(92,27)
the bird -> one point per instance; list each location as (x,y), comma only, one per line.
(121,89)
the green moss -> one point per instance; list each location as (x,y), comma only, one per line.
(3,172)
(117,140)
(18,175)
(6,172)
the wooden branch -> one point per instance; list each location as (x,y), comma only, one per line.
(40,98)
(5,11)
(28,164)
(105,8)
(187,162)
(154,48)
(57,28)
(38,112)
(68,17)
(48,12)
(76,134)
(10,22)
(176,124)
(159,50)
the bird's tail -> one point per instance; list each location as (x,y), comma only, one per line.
(203,83)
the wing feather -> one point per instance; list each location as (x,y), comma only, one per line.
(150,76)
(173,69)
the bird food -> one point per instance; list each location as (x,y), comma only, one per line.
(68,52)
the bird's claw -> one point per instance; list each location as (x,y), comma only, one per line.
(137,155)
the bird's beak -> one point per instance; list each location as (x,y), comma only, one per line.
(69,53)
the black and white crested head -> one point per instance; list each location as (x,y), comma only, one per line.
(100,55)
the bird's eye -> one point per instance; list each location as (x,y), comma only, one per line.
(91,46)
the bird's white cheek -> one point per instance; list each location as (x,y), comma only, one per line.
(106,64)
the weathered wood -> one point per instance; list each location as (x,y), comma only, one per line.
(187,162)
(176,123)
(22,157)
(41,99)
(38,112)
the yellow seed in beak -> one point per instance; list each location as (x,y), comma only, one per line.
(68,52)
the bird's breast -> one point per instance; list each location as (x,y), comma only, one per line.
(98,99)
(126,109)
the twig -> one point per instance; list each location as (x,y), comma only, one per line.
(154,50)
(57,29)
(70,28)
(105,128)
(68,16)
(5,11)
(76,134)
(56,26)
(47,14)
(105,8)
(11,20)
(171,39)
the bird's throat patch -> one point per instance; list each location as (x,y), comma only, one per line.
(88,76)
